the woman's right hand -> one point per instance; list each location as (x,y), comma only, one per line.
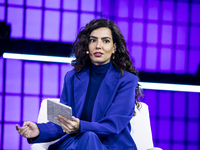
(28,130)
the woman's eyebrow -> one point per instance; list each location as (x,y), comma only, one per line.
(93,37)
(101,38)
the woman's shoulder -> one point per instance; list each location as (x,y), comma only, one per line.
(128,78)
(70,74)
(128,75)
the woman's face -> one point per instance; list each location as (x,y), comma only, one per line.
(101,46)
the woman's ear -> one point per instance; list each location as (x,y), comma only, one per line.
(114,47)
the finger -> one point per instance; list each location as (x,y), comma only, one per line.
(75,119)
(23,133)
(76,122)
(27,123)
(26,134)
(60,120)
(66,129)
(64,120)
(17,127)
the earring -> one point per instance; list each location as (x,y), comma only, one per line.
(87,52)
(113,56)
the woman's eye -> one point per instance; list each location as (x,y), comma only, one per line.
(92,40)
(106,41)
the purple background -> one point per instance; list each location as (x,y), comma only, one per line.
(162,36)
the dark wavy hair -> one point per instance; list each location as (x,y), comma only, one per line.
(122,60)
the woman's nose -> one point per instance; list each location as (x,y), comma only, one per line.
(98,46)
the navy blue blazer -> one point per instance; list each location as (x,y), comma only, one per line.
(113,108)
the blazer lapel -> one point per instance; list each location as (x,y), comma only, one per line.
(81,81)
(105,94)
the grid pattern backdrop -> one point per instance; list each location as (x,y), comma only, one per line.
(162,36)
(175,116)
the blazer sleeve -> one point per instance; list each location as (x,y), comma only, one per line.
(50,131)
(119,113)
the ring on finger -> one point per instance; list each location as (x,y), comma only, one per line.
(63,130)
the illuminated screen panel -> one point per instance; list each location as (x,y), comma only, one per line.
(86,18)
(70,21)
(179,130)
(123,8)
(70,5)
(136,54)
(64,68)
(16,2)
(193,110)
(180,61)
(193,134)
(153,7)
(12,108)
(152,33)
(164,130)
(151,62)
(168,9)
(165,104)
(137,32)
(1,74)
(165,64)
(195,10)
(138,9)
(179,97)
(35,3)
(2,13)
(13,76)
(195,35)
(32,78)
(52,4)
(182,12)
(51,25)
(88,5)
(2,1)
(123,26)
(166,34)
(1,106)
(181,38)
(8,143)
(33,24)
(25,144)
(31,107)
(15,18)
(50,79)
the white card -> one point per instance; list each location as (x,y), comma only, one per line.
(56,108)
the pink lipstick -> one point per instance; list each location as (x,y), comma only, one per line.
(98,54)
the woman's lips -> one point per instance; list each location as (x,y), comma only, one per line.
(98,54)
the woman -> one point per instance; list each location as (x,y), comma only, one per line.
(102,91)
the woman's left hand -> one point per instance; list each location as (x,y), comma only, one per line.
(69,126)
